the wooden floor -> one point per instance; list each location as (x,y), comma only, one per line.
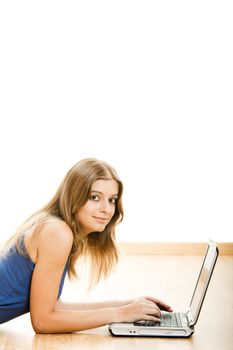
(171,278)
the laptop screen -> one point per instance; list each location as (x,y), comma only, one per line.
(203,280)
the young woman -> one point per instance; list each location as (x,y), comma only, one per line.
(79,221)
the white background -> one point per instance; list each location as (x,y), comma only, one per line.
(144,85)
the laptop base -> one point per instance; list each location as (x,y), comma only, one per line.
(129,329)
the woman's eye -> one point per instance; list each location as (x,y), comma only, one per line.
(94,197)
(113,200)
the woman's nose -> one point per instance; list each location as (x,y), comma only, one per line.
(105,206)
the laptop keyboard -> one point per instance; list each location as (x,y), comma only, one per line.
(167,320)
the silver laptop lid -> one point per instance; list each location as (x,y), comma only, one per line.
(203,281)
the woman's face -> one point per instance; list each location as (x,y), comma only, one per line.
(100,207)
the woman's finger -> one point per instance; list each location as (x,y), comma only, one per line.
(161,304)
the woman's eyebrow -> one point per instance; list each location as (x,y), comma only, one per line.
(114,195)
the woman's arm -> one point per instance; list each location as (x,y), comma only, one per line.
(109,303)
(92,305)
(54,245)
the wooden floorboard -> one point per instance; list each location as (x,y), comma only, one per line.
(174,248)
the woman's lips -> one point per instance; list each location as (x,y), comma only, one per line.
(99,219)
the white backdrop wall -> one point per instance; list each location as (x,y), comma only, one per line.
(144,85)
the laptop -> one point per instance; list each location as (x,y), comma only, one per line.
(175,324)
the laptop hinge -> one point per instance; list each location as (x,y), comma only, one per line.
(190,318)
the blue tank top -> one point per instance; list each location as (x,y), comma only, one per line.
(15,282)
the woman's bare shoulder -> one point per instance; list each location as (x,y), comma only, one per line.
(55,238)
(57,230)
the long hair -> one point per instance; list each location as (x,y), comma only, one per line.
(72,195)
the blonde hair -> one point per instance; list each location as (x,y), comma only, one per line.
(72,195)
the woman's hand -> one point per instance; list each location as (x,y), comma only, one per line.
(144,308)
(161,304)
